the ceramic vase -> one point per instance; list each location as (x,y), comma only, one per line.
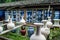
(30,31)
(23,31)
(10,25)
(45,30)
(38,35)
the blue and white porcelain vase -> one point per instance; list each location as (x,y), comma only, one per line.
(30,31)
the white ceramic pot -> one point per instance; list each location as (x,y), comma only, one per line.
(45,30)
(39,37)
(1,29)
(10,25)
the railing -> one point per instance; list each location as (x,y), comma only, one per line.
(6,31)
(10,29)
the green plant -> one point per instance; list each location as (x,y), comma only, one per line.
(8,1)
(54,34)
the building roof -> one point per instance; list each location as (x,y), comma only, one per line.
(30,2)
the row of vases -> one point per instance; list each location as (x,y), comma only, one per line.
(37,35)
(23,31)
(11,25)
(30,31)
(5,27)
(44,30)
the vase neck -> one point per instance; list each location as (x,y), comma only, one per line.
(8,16)
(10,20)
(45,25)
(22,17)
(49,19)
(38,31)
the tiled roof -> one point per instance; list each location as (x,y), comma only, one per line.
(27,2)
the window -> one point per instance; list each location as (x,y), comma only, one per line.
(29,16)
(14,16)
(47,14)
(14,12)
(21,12)
(39,15)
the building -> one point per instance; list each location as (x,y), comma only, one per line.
(32,10)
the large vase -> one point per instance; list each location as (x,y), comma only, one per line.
(38,35)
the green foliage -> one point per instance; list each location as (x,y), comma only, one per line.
(15,36)
(8,1)
(54,34)
(2,1)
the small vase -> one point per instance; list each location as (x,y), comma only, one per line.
(30,31)
(10,25)
(6,21)
(49,23)
(22,21)
(23,31)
